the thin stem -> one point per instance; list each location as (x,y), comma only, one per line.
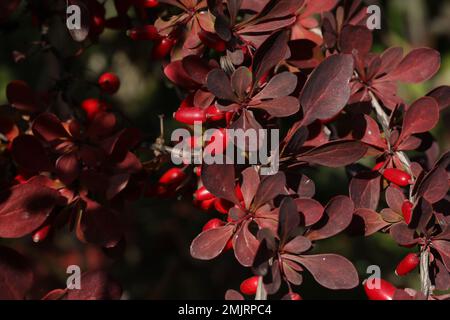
(261,293)
(425,282)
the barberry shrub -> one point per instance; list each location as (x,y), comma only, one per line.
(238,64)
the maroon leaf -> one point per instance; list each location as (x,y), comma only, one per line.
(245,245)
(250,183)
(220,181)
(16,275)
(402,234)
(395,199)
(99,225)
(175,72)
(219,84)
(25,207)
(335,154)
(365,190)
(419,65)
(25,145)
(356,38)
(289,219)
(270,53)
(196,68)
(338,216)
(434,186)
(241,80)
(298,245)
(49,128)
(443,247)
(442,96)
(281,107)
(291,275)
(269,188)
(68,167)
(311,210)
(327,90)
(331,271)
(281,85)
(233,295)
(422,116)
(22,97)
(373,222)
(96,285)
(209,244)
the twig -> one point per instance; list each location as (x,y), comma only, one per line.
(261,293)
(425,282)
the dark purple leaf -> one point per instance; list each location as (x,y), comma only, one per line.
(25,145)
(196,68)
(434,186)
(338,153)
(289,219)
(442,96)
(250,183)
(298,245)
(402,234)
(16,275)
(269,188)
(96,285)
(245,245)
(281,85)
(418,66)
(233,295)
(443,247)
(331,271)
(219,84)
(270,53)
(422,116)
(241,80)
(219,179)
(281,107)
(311,210)
(365,190)
(68,167)
(22,97)
(338,216)
(327,90)
(209,244)
(25,207)
(357,38)
(373,221)
(49,128)
(395,199)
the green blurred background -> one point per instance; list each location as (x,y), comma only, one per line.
(157,264)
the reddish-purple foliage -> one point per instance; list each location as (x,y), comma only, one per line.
(239,64)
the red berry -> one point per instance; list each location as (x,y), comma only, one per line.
(295,296)
(41,234)
(213,224)
(408,264)
(222,205)
(109,83)
(213,113)
(150,3)
(385,291)
(162,48)
(92,107)
(249,286)
(229,245)
(378,166)
(148,32)
(212,41)
(397,177)
(190,115)
(173,176)
(407,208)
(198,171)
(97,24)
(203,194)
(238,192)
(207,205)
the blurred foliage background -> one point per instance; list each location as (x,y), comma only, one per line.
(156,262)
